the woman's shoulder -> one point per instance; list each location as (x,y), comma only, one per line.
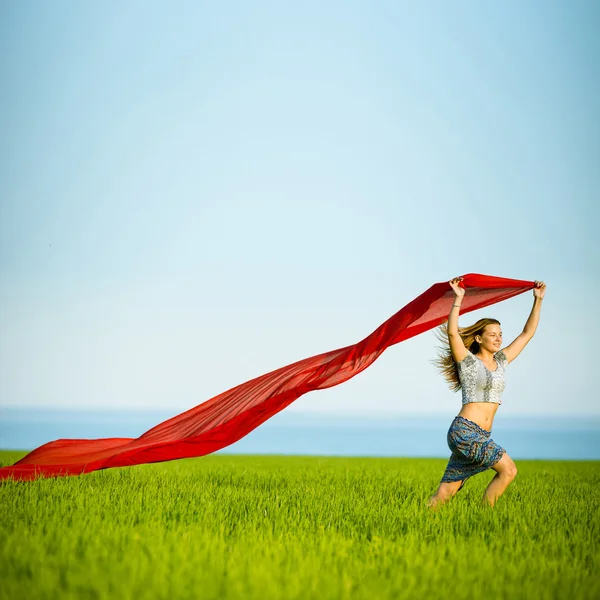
(501,358)
(468,361)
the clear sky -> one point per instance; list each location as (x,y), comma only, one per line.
(195,193)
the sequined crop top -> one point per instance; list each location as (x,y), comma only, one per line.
(479,384)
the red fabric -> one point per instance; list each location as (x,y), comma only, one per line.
(226,418)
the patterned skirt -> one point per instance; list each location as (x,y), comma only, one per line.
(473,451)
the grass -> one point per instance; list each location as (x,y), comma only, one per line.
(266,527)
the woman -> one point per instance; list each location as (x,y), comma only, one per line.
(475,364)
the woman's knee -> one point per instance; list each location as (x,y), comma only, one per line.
(511,471)
(506,467)
(447,490)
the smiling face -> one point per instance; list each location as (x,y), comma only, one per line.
(491,338)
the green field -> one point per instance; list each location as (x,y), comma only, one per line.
(265,527)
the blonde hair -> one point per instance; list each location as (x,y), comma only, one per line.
(445,363)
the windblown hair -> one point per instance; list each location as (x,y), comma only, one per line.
(445,363)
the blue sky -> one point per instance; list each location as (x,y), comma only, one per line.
(193,194)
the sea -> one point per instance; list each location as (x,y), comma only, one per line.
(574,437)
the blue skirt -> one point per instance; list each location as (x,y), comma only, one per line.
(473,451)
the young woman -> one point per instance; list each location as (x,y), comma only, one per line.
(475,364)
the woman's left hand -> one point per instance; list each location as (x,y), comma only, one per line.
(539,291)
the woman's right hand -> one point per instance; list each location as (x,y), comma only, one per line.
(458,291)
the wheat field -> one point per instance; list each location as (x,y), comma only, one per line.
(276,527)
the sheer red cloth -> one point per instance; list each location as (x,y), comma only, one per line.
(226,418)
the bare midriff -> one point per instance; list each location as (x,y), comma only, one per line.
(481,413)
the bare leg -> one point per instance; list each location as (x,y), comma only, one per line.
(506,471)
(444,493)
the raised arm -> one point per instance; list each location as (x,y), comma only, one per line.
(515,348)
(457,347)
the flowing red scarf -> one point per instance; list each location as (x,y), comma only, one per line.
(230,416)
